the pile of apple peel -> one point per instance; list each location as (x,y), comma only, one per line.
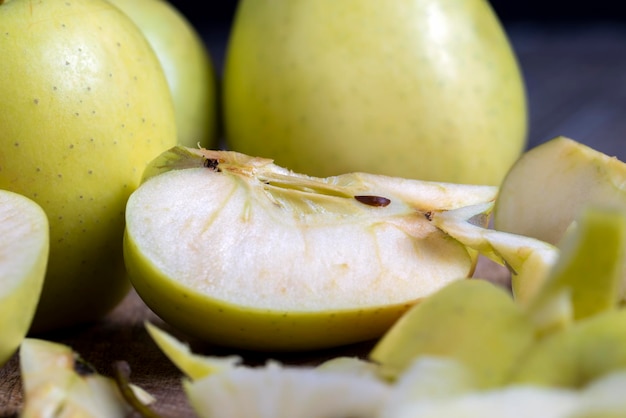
(468,347)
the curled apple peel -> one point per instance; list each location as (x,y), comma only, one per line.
(241,252)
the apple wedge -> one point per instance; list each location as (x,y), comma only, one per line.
(549,185)
(24,247)
(238,251)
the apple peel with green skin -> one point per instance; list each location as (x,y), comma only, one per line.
(58,383)
(573,176)
(458,322)
(238,251)
(224,387)
(586,278)
(24,248)
(579,354)
(432,386)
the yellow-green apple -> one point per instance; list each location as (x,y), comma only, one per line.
(24,244)
(427,89)
(471,321)
(187,64)
(242,252)
(85,107)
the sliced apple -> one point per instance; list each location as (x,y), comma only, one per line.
(528,259)
(550,185)
(472,321)
(24,246)
(56,382)
(240,252)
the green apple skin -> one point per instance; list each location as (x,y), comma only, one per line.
(24,248)
(85,107)
(427,89)
(464,321)
(187,64)
(583,352)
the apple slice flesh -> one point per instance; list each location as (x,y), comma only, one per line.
(238,251)
(549,185)
(528,259)
(24,247)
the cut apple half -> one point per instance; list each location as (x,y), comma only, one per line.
(24,243)
(238,251)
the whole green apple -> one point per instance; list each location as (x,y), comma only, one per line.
(427,89)
(187,65)
(85,106)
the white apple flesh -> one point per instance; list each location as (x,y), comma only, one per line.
(241,252)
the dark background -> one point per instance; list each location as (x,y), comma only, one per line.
(221,12)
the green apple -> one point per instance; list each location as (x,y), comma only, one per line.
(238,251)
(426,89)
(586,278)
(85,107)
(57,383)
(24,246)
(472,321)
(187,64)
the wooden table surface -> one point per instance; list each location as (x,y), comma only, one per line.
(576,80)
